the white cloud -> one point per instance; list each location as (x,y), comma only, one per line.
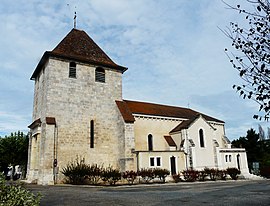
(173,49)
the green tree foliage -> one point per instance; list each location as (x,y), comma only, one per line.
(252,55)
(14,150)
(257,150)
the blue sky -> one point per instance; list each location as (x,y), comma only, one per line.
(173,49)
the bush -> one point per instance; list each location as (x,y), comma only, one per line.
(233,172)
(16,195)
(190,175)
(130,176)
(222,174)
(213,173)
(76,172)
(202,175)
(94,174)
(111,175)
(161,173)
(265,171)
(147,175)
(177,177)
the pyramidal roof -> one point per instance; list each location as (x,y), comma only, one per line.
(78,46)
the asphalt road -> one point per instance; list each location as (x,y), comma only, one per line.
(199,193)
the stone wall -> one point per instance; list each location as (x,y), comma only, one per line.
(74,102)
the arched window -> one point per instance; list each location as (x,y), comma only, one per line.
(72,70)
(150,142)
(100,75)
(201,138)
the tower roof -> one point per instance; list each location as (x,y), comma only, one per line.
(78,46)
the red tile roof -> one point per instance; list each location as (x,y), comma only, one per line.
(124,110)
(170,141)
(78,46)
(183,125)
(165,111)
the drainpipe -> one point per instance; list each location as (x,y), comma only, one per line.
(55,168)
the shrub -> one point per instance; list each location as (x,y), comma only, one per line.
(202,175)
(265,171)
(16,195)
(190,175)
(130,176)
(161,173)
(233,172)
(177,177)
(213,173)
(222,174)
(76,172)
(147,175)
(94,173)
(111,175)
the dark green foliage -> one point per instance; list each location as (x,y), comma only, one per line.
(130,176)
(94,174)
(76,172)
(161,173)
(16,195)
(190,175)
(252,58)
(147,175)
(111,175)
(258,150)
(233,172)
(14,150)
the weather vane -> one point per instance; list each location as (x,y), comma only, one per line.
(75,16)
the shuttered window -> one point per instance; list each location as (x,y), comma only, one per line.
(72,70)
(100,75)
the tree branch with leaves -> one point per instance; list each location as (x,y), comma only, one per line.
(252,56)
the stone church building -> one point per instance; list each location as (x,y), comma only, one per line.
(79,112)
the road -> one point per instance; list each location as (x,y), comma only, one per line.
(199,193)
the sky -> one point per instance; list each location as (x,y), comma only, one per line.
(174,51)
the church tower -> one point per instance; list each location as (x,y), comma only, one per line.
(74,111)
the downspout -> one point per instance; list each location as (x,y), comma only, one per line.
(55,168)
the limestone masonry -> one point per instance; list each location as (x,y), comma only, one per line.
(79,112)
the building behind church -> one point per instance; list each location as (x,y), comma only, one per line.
(79,111)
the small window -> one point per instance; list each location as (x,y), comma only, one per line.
(158,161)
(201,138)
(152,161)
(100,75)
(230,158)
(72,70)
(226,158)
(150,142)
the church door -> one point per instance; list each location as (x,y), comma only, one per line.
(173,165)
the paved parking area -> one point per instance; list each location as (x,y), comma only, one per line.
(241,192)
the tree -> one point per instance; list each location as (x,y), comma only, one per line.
(251,144)
(14,150)
(258,150)
(252,57)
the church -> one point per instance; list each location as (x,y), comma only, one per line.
(79,112)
